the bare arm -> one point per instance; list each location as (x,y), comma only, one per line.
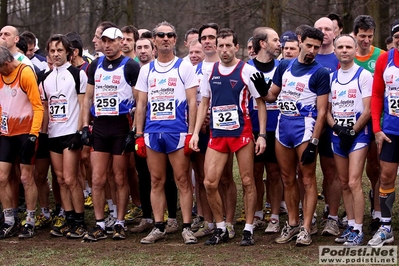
(272,94)
(141,108)
(262,117)
(322,103)
(191,95)
(364,117)
(201,114)
(87,102)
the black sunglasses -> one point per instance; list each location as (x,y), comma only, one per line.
(168,34)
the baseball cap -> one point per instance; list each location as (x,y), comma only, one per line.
(112,33)
(395,27)
(288,35)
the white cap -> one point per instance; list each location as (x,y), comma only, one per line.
(112,33)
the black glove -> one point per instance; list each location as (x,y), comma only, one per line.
(129,142)
(260,84)
(86,136)
(346,139)
(28,149)
(309,154)
(338,129)
(76,142)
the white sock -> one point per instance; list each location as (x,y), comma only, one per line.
(351,222)
(377,214)
(120,222)
(211,225)
(275,217)
(101,224)
(333,217)
(46,212)
(249,227)
(259,214)
(115,212)
(358,227)
(221,225)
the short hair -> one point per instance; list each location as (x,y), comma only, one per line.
(259,34)
(190,31)
(143,38)
(334,16)
(226,32)
(388,40)
(60,38)
(205,26)
(131,29)
(22,44)
(30,37)
(163,23)
(364,22)
(311,32)
(146,35)
(76,42)
(106,24)
(344,35)
(5,55)
(300,29)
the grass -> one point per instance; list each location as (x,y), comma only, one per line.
(45,250)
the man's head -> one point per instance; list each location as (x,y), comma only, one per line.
(10,35)
(299,30)
(286,36)
(227,46)
(22,45)
(311,41)
(363,30)
(111,39)
(190,35)
(76,43)
(207,34)
(326,26)
(31,42)
(145,50)
(345,48)
(6,58)
(338,23)
(165,37)
(395,34)
(266,39)
(291,49)
(195,52)
(130,36)
(99,31)
(250,49)
(59,49)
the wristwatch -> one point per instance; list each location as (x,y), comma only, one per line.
(352,132)
(32,138)
(314,141)
(136,136)
(262,136)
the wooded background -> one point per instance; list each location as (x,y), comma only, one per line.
(47,17)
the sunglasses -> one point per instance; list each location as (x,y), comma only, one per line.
(168,34)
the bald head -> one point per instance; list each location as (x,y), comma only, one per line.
(326,25)
(9,35)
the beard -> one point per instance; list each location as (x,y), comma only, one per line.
(308,59)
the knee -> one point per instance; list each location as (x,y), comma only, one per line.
(355,185)
(210,185)
(98,182)
(247,181)
(308,182)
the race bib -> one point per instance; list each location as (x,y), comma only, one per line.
(4,123)
(106,103)
(288,108)
(58,110)
(163,108)
(225,117)
(393,101)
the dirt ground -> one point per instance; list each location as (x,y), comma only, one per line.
(46,250)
